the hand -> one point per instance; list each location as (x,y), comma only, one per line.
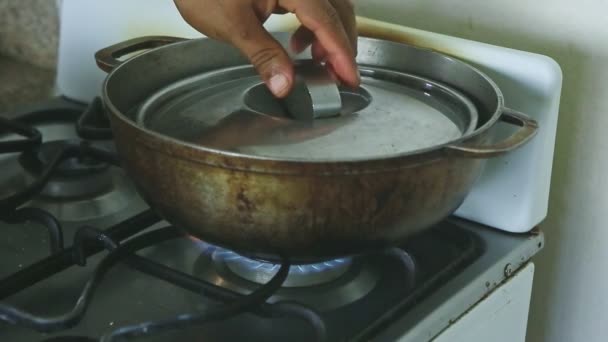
(328,25)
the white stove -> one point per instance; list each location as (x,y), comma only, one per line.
(468,279)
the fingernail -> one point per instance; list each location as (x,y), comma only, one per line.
(278,83)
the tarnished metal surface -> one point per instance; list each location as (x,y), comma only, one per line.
(304,210)
(231,110)
(299,215)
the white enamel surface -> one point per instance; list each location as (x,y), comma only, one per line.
(501,317)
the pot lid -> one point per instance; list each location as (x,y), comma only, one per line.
(231,110)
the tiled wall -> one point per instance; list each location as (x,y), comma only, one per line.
(29,31)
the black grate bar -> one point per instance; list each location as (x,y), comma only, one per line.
(44,218)
(61,261)
(93,124)
(32,136)
(209,290)
(14,201)
(240,303)
(89,236)
(243,304)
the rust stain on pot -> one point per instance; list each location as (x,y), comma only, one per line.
(244,204)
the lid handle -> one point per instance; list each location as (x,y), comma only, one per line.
(315,93)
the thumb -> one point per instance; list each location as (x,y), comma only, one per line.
(266,54)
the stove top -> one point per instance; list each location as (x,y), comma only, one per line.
(83,257)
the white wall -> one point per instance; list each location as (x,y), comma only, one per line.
(569,299)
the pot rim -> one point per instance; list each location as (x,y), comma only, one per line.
(239,161)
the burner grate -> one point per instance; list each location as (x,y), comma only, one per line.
(234,303)
(60,261)
(93,124)
(33,142)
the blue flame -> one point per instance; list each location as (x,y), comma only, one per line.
(261,266)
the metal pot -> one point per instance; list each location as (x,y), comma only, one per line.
(265,204)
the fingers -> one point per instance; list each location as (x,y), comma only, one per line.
(346,9)
(303,37)
(324,22)
(264,52)
(328,24)
(240,23)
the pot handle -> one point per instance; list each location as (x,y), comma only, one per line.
(528,129)
(107,58)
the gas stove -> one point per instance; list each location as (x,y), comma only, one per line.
(83,258)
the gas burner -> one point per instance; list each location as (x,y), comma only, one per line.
(299,275)
(77,177)
(80,188)
(78,200)
(325,286)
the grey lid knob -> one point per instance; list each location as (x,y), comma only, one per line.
(315,94)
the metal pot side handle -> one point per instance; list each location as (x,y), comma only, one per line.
(528,129)
(107,58)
